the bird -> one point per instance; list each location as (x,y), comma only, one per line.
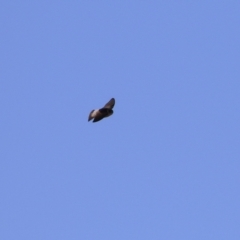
(106,111)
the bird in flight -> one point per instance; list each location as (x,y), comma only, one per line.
(101,113)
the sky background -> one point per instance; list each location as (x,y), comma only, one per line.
(165,165)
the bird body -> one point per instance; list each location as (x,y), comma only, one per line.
(99,114)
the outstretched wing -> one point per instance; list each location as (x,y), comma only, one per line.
(110,104)
(90,117)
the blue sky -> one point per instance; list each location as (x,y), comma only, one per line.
(165,165)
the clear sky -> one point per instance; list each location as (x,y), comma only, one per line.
(165,165)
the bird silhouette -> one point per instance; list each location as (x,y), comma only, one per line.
(106,111)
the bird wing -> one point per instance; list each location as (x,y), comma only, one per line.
(110,104)
(90,117)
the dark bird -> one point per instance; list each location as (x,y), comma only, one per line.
(101,113)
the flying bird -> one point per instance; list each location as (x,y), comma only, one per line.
(101,113)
